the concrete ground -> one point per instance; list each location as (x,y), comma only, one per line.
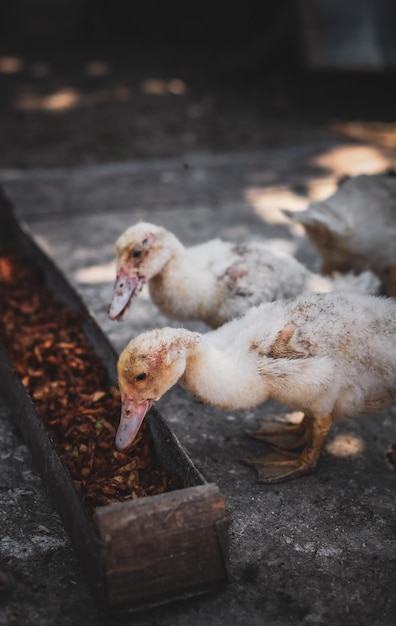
(210,154)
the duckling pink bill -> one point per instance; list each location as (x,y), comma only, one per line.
(124,289)
(132,416)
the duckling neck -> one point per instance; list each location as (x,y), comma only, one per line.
(185,288)
(221,379)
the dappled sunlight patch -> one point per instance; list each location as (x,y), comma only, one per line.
(269,202)
(154,87)
(11,65)
(380,133)
(62,100)
(176,86)
(101,273)
(351,160)
(321,188)
(345,446)
(67,99)
(161,87)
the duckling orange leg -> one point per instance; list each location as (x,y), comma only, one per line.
(280,465)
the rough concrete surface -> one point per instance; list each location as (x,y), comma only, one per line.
(317,550)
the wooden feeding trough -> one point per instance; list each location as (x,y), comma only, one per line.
(147,528)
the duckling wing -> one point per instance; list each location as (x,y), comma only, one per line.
(257,275)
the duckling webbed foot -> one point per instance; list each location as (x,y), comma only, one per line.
(284,435)
(280,465)
(276,467)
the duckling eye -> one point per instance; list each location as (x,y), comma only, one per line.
(141,376)
(137,252)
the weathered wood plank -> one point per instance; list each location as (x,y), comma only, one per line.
(165,544)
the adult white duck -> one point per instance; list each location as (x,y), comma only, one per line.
(355,228)
(215,281)
(331,356)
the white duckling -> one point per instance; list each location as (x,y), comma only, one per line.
(215,281)
(332,356)
(355,228)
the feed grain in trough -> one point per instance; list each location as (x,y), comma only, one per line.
(146,526)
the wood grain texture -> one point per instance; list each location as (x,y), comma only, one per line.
(164,545)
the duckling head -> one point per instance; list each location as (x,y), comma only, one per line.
(150,365)
(142,252)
